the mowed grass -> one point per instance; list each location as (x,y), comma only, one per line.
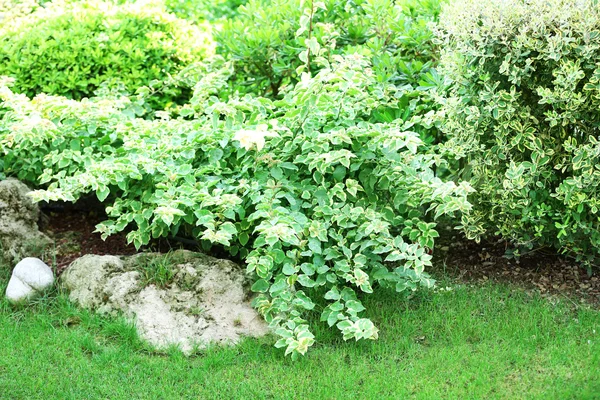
(483,342)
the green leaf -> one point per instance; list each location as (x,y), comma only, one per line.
(229,228)
(314,245)
(260,286)
(305,281)
(303,301)
(333,294)
(354,306)
(339,173)
(395,256)
(279,285)
(243,238)
(277,173)
(102,193)
(288,269)
(75,144)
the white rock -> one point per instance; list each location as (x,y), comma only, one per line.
(17,291)
(206,302)
(30,276)
(35,273)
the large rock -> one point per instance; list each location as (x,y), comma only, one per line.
(204,301)
(30,277)
(19,232)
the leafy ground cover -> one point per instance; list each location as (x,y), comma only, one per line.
(487,340)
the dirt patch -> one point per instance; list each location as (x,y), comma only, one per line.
(74,236)
(552,275)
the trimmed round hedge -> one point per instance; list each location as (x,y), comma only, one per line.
(71,50)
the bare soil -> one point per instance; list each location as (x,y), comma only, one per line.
(74,236)
(551,275)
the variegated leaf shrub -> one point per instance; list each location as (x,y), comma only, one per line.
(523,119)
(311,194)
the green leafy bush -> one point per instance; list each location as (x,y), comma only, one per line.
(72,49)
(12,9)
(312,195)
(523,118)
(199,10)
(272,41)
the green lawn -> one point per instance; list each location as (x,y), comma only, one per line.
(484,342)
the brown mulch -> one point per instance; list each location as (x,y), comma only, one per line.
(551,275)
(74,236)
(73,232)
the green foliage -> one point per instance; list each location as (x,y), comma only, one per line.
(72,49)
(199,10)
(156,270)
(271,40)
(523,119)
(12,9)
(307,190)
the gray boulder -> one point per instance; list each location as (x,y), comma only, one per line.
(19,232)
(185,299)
(30,277)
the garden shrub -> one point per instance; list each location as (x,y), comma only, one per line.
(72,49)
(269,39)
(306,189)
(523,119)
(12,9)
(199,10)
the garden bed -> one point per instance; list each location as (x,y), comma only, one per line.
(551,275)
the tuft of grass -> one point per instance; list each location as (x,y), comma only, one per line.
(196,311)
(156,270)
(491,341)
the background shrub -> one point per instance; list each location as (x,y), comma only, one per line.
(71,49)
(523,118)
(268,39)
(199,10)
(12,9)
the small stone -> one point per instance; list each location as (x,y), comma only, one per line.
(30,277)
(17,291)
